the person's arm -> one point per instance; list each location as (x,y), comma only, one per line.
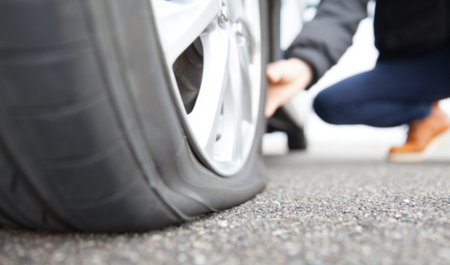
(324,40)
(315,50)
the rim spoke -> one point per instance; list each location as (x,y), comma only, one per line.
(204,118)
(244,55)
(181,22)
(237,9)
(236,107)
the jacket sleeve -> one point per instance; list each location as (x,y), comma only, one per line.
(325,39)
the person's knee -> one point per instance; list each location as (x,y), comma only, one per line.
(327,107)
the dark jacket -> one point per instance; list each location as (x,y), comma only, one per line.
(402,28)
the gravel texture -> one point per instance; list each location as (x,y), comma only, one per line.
(319,212)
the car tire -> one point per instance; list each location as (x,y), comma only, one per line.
(91,137)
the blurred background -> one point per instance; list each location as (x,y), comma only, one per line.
(360,57)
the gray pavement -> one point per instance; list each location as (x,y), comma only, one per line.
(316,210)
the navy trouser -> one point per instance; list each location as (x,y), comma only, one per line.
(395,92)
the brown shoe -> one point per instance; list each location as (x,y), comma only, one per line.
(423,137)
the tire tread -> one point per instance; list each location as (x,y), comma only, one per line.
(59,118)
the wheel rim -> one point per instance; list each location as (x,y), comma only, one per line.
(220,113)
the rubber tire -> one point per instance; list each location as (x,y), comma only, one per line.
(296,139)
(90,137)
(281,121)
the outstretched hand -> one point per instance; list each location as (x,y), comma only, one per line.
(286,79)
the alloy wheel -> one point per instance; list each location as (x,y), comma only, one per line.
(212,51)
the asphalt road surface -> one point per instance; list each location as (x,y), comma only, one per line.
(315,210)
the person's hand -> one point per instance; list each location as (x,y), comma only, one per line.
(286,79)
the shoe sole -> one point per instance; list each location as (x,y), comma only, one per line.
(423,155)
